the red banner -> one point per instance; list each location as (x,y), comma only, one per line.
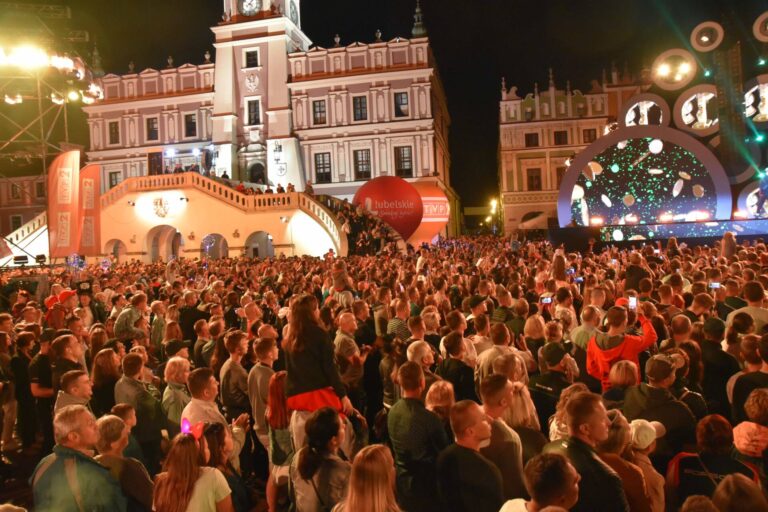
(90,190)
(63,205)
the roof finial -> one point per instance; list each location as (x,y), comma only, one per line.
(336,41)
(169,60)
(378,35)
(207,56)
(504,84)
(551,78)
(419,30)
(568,87)
(131,67)
(535,88)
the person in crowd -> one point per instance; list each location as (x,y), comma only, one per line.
(70,478)
(76,389)
(371,482)
(600,488)
(438,400)
(187,483)
(66,352)
(552,483)
(754,294)
(719,366)
(699,473)
(505,448)
(653,401)
(622,376)
(105,374)
(175,395)
(680,389)
(280,445)
(219,441)
(604,349)
(417,437)
(233,377)
(455,370)
(19,364)
(134,480)
(125,325)
(612,451)
(745,384)
(736,493)
(259,377)
(750,438)
(350,358)
(189,313)
(643,435)
(466,480)
(558,421)
(318,474)
(313,377)
(145,400)
(423,353)
(41,387)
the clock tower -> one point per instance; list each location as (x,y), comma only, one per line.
(252,130)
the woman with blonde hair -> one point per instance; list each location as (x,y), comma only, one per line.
(534,332)
(622,375)
(175,396)
(371,482)
(439,400)
(98,337)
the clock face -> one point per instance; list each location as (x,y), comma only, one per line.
(294,13)
(250,7)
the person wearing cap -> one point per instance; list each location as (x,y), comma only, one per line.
(41,386)
(719,366)
(604,349)
(643,436)
(653,401)
(553,381)
(477,307)
(94,311)
(600,488)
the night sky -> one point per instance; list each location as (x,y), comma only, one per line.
(475,42)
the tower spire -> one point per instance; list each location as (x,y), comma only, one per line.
(551,78)
(98,70)
(419,30)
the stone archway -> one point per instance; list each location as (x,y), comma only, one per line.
(115,248)
(259,245)
(163,243)
(214,246)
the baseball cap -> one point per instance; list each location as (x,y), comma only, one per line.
(66,294)
(475,301)
(51,301)
(174,346)
(622,302)
(553,353)
(661,366)
(645,432)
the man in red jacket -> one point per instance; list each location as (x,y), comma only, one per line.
(605,349)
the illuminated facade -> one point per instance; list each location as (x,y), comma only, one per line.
(22,198)
(541,132)
(273,111)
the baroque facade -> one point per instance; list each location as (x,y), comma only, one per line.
(274,110)
(541,132)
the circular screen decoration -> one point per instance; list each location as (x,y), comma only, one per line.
(751,204)
(674,69)
(760,28)
(645,109)
(661,175)
(707,36)
(756,99)
(393,200)
(695,110)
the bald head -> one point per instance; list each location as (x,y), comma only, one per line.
(347,323)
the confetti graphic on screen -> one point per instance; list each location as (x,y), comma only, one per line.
(650,181)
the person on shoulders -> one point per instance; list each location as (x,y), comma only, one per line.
(70,479)
(551,481)
(466,480)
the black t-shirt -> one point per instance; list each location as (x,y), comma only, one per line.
(40,371)
(741,390)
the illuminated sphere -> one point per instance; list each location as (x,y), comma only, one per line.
(595,167)
(629,200)
(578,193)
(698,191)
(618,235)
(656,146)
(614,167)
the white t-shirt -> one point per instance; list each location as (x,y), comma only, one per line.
(211,487)
(516,505)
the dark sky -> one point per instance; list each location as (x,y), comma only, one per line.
(475,43)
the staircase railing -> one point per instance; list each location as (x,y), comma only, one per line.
(223,192)
(17,236)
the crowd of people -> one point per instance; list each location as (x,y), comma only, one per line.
(477,374)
